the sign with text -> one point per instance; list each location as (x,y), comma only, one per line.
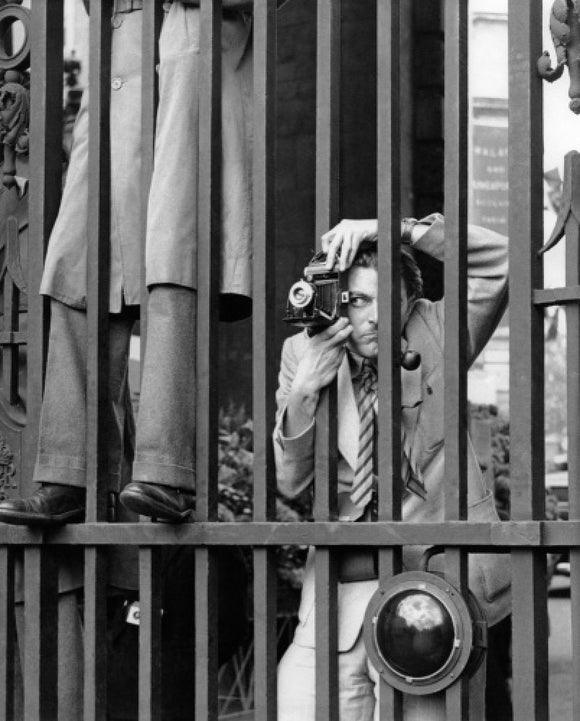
(489,190)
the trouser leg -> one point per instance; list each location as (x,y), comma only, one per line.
(61,456)
(165,447)
(297,685)
(358,684)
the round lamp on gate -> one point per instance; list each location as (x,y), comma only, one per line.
(422,635)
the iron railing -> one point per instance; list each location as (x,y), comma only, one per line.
(527,537)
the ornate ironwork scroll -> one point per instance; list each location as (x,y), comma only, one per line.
(565,30)
(14,145)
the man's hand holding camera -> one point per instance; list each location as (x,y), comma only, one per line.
(317,369)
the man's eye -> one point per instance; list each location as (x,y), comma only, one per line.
(358,301)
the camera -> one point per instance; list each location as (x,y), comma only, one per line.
(315,301)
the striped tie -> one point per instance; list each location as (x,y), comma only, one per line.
(362,487)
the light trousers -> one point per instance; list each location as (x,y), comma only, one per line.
(358,684)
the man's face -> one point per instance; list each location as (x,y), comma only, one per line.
(363,310)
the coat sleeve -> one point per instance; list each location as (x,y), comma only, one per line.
(294,456)
(487,278)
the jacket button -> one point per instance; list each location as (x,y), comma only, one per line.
(116,83)
(429,390)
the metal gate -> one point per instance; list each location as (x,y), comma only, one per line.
(525,539)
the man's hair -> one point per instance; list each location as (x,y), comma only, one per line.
(367,257)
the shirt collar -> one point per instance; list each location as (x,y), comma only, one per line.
(411,386)
(355,362)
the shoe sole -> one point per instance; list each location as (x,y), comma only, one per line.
(156,511)
(21,518)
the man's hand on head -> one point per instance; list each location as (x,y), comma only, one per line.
(316,370)
(342,242)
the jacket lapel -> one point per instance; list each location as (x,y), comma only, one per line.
(348,419)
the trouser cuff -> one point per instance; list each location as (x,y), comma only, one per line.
(169,475)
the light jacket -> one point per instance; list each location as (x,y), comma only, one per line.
(65,269)
(422,413)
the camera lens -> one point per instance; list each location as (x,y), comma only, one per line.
(300,294)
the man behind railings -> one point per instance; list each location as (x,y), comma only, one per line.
(347,351)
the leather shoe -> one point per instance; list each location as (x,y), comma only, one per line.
(159,502)
(50,505)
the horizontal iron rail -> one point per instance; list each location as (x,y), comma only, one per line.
(497,536)
(556,296)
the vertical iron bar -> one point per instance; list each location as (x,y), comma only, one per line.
(99,224)
(40,641)
(265,635)
(525,223)
(209,227)
(150,587)
(389,213)
(39,670)
(327,205)
(7,635)
(572,177)
(150,701)
(456,335)
(264,363)
(152,18)
(46,81)
(456,338)
(209,212)
(98,232)
(264,198)
(206,650)
(327,115)
(95,630)
(529,617)
(327,214)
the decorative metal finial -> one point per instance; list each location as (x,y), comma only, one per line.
(565,30)
(14,90)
